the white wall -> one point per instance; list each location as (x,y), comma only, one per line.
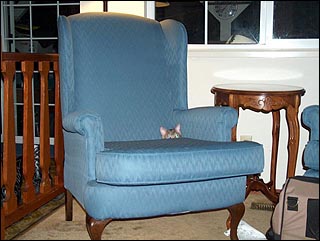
(91,6)
(215,66)
(131,7)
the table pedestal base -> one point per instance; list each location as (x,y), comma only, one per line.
(254,183)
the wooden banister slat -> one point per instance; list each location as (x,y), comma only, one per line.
(58,138)
(9,146)
(2,213)
(27,68)
(45,184)
(11,210)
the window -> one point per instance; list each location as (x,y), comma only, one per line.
(215,22)
(31,27)
(300,21)
(246,23)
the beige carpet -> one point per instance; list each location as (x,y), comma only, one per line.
(198,226)
(37,216)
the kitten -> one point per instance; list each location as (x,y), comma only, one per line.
(170,133)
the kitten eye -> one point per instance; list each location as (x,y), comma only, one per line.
(177,135)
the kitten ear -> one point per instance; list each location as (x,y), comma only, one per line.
(163,130)
(178,128)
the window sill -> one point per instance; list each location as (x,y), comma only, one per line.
(249,51)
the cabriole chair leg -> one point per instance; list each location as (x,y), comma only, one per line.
(236,214)
(96,227)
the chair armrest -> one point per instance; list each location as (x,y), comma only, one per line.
(86,124)
(310,120)
(83,139)
(207,123)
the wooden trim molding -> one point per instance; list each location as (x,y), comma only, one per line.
(105,6)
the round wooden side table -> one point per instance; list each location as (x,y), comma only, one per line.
(266,98)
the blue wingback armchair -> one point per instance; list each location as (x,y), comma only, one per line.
(310,120)
(122,77)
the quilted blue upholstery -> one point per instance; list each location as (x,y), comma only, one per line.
(142,162)
(115,202)
(310,120)
(122,77)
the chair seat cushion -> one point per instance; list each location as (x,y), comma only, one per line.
(179,160)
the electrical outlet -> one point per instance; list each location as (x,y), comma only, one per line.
(245,138)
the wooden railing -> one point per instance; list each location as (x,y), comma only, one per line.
(49,186)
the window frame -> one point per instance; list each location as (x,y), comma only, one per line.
(5,47)
(266,33)
(31,38)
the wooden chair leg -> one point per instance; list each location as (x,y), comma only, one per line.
(236,214)
(228,222)
(68,205)
(2,225)
(96,227)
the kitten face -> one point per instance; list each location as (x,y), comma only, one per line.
(170,133)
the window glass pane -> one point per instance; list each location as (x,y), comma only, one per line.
(69,10)
(45,46)
(296,20)
(63,2)
(38,46)
(191,14)
(20,2)
(44,21)
(44,2)
(233,22)
(22,46)
(21,18)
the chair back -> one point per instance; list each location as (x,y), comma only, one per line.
(129,70)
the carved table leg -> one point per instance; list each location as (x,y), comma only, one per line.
(254,183)
(274,154)
(293,141)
